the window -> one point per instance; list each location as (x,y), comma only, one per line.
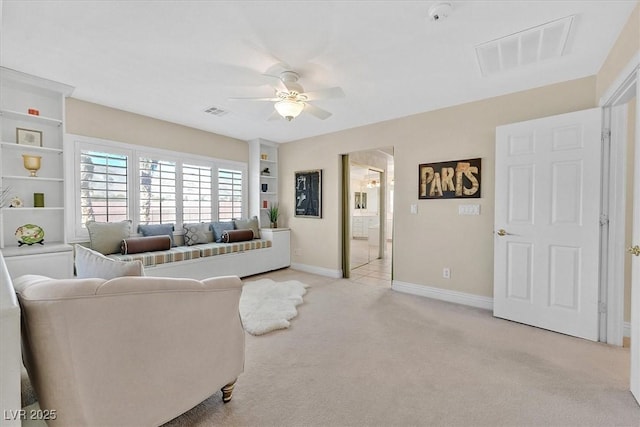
(196,193)
(103,186)
(157,191)
(229,194)
(114,181)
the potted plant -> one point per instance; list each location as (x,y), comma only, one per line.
(274,213)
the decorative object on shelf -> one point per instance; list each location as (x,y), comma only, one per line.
(265,204)
(4,195)
(309,194)
(263,156)
(266,171)
(38,200)
(29,137)
(33,112)
(265,187)
(29,234)
(16,202)
(31,163)
(274,213)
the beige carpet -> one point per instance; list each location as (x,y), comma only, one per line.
(365,355)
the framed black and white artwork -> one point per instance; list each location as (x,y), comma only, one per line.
(309,194)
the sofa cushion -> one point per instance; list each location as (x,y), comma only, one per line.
(105,237)
(219,227)
(197,233)
(230,236)
(157,230)
(136,245)
(212,249)
(251,223)
(177,253)
(90,263)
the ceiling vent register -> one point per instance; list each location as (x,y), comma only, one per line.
(215,111)
(523,48)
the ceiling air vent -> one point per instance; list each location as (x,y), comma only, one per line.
(525,47)
(215,111)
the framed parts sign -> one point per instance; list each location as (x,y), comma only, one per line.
(449,180)
(309,194)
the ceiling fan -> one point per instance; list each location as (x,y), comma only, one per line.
(290,98)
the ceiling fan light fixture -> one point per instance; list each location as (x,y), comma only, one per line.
(289,109)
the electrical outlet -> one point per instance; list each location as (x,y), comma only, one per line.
(446,273)
(414,209)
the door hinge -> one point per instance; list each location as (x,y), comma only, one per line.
(604,220)
(606,134)
(602,307)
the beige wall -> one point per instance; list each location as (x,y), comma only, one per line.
(98,121)
(626,46)
(436,237)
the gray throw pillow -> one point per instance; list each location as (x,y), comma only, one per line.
(219,227)
(105,237)
(196,233)
(252,224)
(157,230)
(90,263)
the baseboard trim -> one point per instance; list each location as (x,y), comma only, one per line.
(443,294)
(321,271)
(627,329)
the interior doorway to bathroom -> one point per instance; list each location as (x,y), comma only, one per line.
(368,216)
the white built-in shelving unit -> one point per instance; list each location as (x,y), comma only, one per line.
(263,186)
(20,93)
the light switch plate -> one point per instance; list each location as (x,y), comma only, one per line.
(469,210)
(414,209)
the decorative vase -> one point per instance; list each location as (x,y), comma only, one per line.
(31,163)
(38,200)
(274,224)
(265,187)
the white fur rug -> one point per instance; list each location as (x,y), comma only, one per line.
(266,305)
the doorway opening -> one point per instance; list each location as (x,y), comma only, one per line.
(368,216)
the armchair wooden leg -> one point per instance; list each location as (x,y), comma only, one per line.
(227,391)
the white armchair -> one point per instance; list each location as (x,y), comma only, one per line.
(131,350)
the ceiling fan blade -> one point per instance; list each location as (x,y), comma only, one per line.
(277,83)
(274,116)
(332,92)
(316,111)
(255,99)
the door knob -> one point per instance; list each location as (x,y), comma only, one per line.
(635,250)
(502,232)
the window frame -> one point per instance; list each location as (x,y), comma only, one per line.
(75,144)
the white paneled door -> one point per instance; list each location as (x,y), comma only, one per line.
(547,222)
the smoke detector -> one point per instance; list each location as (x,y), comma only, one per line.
(440,11)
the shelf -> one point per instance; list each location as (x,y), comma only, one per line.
(268,193)
(46,248)
(268,177)
(273,162)
(32,178)
(14,146)
(24,208)
(30,118)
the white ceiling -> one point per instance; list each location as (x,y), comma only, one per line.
(173,59)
